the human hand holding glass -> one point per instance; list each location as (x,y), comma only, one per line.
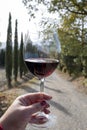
(22,111)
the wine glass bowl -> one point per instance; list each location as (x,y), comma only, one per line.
(41,67)
(41,60)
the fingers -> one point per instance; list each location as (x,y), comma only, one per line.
(46,111)
(39,118)
(41,106)
(36,97)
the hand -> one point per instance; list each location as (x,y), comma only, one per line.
(23,109)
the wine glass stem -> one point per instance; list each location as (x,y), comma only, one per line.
(42,85)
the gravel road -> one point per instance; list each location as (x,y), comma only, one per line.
(68,105)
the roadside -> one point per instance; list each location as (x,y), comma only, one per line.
(8,95)
(68,104)
(79,82)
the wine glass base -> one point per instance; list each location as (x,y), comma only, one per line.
(49,122)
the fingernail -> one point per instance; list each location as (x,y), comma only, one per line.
(43,103)
(50,97)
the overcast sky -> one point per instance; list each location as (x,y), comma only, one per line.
(19,12)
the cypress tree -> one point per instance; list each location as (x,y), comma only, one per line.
(2,57)
(15,65)
(21,61)
(8,57)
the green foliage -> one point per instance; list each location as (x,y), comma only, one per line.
(73,56)
(21,57)
(84,64)
(8,56)
(66,6)
(72,31)
(22,67)
(73,64)
(15,59)
(2,57)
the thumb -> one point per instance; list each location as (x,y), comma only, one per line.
(36,107)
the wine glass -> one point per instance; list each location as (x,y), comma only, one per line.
(41,59)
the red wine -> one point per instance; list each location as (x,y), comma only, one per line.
(41,67)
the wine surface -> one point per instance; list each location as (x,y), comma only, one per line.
(41,67)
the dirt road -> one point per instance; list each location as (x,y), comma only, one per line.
(68,105)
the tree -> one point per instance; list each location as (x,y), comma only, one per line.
(15,52)
(61,6)
(21,61)
(72,6)
(8,56)
(71,10)
(72,29)
(2,57)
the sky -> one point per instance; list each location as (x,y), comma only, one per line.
(19,12)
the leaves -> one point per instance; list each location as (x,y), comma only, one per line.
(72,28)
